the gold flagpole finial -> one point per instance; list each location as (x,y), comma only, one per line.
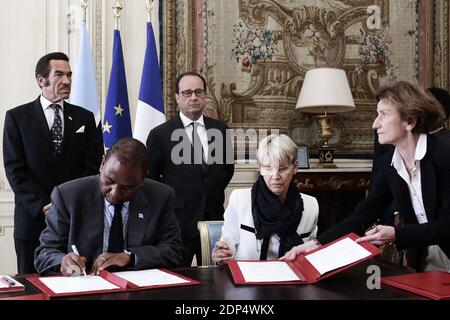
(117,9)
(84,6)
(149,6)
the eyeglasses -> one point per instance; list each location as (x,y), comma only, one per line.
(272,170)
(198,93)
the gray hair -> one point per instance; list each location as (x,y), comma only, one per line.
(275,149)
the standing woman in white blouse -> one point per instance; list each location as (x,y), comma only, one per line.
(265,221)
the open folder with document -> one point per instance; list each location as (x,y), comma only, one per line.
(58,286)
(308,268)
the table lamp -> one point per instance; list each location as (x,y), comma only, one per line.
(326,91)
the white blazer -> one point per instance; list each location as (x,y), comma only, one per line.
(238,228)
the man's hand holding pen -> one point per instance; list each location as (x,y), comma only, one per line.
(72,265)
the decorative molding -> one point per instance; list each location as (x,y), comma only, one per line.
(170,55)
(181,32)
(98,48)
(305,185)
(46,26)
(5,187)
(191,25)
(446,44)
(3,229)
(440,45)
(426,42)
(332,181)
(437,41)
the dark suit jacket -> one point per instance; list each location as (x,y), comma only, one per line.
(32,167)
(196,191)
(76,217)
(381,149)
(389,186)
(378,151)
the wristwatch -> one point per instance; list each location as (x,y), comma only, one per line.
(132,257)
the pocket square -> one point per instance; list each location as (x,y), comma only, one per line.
(81,130)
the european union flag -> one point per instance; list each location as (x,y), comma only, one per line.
(116,123)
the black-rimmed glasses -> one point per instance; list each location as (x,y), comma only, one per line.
(188,93)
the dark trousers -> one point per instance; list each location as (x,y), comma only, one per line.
(192,248)
(25,255)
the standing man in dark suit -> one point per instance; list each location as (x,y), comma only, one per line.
(46,142)
(199,172)
(115,219)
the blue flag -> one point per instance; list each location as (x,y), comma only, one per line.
(150,106)
(116,123)
(84,87)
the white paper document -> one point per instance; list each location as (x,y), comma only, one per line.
(337,255)
(151,277)
(266,271)
(77,284)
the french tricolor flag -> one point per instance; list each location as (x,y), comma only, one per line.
(150,106)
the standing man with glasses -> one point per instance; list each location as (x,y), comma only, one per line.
(192,154)
(46,142)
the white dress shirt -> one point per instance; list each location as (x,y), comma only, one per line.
(201,130)
(50,113)
(436,258)
(107,221)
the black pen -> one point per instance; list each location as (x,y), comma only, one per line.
(7,281)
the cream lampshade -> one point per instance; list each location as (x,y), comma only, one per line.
(325,90)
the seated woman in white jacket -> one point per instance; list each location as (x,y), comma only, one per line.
(265,221)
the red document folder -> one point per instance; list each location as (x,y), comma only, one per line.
(123,284)
(37,296)
(303,268)
(434,284)
(8,284)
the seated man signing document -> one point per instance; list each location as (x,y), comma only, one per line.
(117,218)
